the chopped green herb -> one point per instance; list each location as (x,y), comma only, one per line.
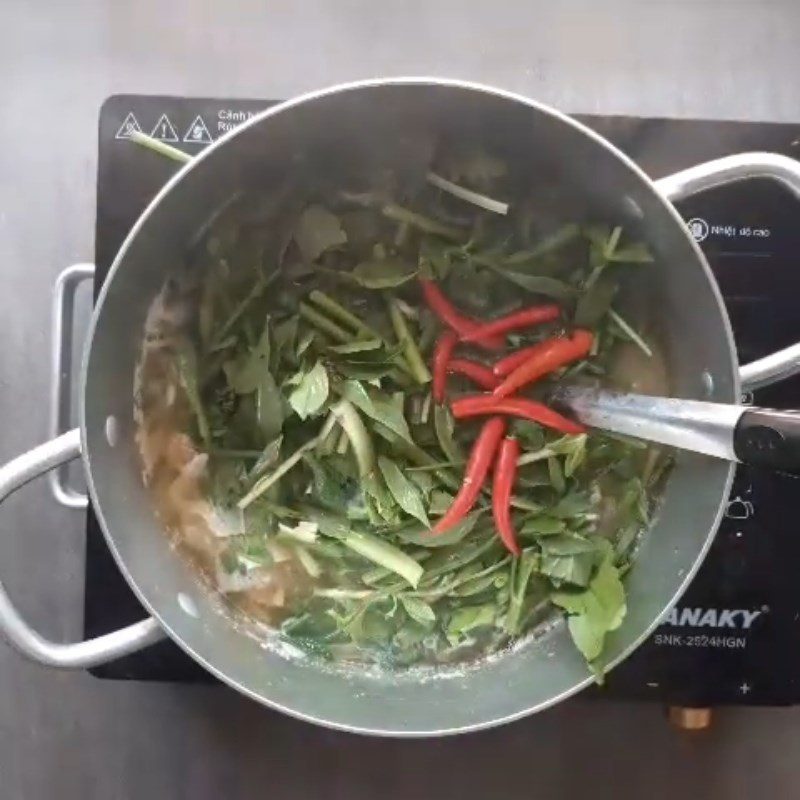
(293,358)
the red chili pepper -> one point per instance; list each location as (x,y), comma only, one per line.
(478,465)
(505,473)
(452,317)
(445,345)
(505,366)
(478,405)
(476,372)
(526,318)
(547,359)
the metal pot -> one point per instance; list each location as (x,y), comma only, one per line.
(381,121)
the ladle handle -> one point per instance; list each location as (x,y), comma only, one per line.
(764,437)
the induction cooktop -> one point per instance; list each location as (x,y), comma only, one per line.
(734,637)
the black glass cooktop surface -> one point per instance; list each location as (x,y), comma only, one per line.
(735,635)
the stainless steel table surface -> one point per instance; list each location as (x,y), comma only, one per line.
(70,736)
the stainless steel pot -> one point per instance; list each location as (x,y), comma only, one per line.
(381,121)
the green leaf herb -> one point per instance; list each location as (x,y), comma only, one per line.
(311,391)
(270,454)
(424,538)
(405,493)
(418,610)
(444,426)
(575,570)
(595,302)
(542,525)
(596,611)
(466,619)
(266,481)
(527,565)
(386,273)
(269,407)
(300,375)
(318,230)
(388,410)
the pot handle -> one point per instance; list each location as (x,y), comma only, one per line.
(731,169)
(63,311)
(771,369)
(80,655)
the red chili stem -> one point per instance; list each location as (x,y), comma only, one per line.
(505,473)
(477,373)
(451,316)
(557,353)
(442,353)
(478,464)
(478,405)
(526,318)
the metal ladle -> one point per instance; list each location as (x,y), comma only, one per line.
(756,436)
